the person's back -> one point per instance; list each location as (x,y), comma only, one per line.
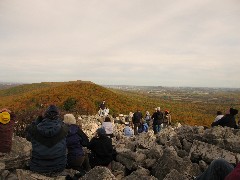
(227,120)
(101,149)
(48,139)
(6,130)
(219,116)
(76,139)
(108,126)
(128,131)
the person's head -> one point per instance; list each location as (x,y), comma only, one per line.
(127,123)
(107,119)
(147,113)
(233,111)
(155,109)
(69,119)
(158,108)
(52,112)
(219,112)
(166,111)
(101,132)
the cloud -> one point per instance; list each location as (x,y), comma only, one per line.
(172,43)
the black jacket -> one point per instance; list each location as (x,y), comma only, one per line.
(227,120)
(101,151)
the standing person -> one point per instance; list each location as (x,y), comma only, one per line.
(76,140)
(102,106)
(167,118)
(6,130)
(228,120)
(48,138)
(127,131)
(130,119)
(101,149)
(219,116)
(137,116)
(157,120)
(148,118)
(108,126)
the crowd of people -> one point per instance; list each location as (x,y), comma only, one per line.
(60,143)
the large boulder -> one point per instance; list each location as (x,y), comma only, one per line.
(169,161)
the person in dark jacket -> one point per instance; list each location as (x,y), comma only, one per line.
(101,149)
(76,140)
(157,120)
(6,130)
(137,116)
(227,120)
(220,169)
(48,138)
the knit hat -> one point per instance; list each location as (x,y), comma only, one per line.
(69,119)
(233,111)
(4,117)
(101,131)
(52,112)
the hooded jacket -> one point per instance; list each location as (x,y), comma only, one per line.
(76,139)
(48,138)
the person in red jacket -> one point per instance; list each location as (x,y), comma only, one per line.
(6,130)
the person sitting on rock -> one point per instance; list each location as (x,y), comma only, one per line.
(6,130)
(219,116)
(108,126)
(76,140)
(101,149)
(48,138)
(143,127)
(228,120)
(220,169)
(127,131)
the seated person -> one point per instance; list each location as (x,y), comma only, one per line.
(143,127)
(219,116)
(128,131)
(108,126)
(48,138)
(76,139)
(6,130)
(101,149)
(220,169)
(228,120)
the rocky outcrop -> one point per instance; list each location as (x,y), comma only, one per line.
(179,152)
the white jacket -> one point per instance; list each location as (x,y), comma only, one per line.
(108,126)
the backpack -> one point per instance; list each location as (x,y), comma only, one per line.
(4,117)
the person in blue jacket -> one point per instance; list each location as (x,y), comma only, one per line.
(48,138)
(76,140)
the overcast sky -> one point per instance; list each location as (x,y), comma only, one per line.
(121,42)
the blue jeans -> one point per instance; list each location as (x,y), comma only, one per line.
(156,128)
(217,170)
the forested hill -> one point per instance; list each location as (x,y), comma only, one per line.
(84,97)
(78,97)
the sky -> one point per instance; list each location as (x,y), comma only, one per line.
(194,43)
